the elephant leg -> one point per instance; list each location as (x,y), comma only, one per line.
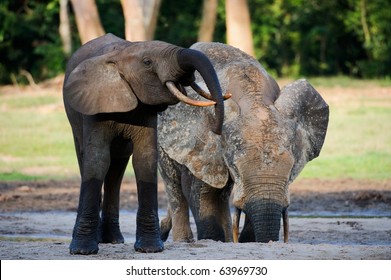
(109,227)
(95,163)
(178,209)
(145,169)
(85,231)
(214,215)
(210,208)
(166,226)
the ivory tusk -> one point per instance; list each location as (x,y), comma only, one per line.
(235,225)
(285,219)
(206,95)
(176,92)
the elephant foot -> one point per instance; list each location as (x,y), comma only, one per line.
(109,232)
(182,235)
(83,247)
(146,245)
(85,236)
(165,228)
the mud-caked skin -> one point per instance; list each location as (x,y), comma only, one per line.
(113,91)
(267,138)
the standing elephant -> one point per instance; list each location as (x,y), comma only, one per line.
(267,138)
(113,91)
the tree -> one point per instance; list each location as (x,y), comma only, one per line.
(65,28)
(140,18)
(87,20)
(238,25)
(208,22)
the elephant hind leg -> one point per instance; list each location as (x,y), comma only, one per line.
(109,229)
(166,226)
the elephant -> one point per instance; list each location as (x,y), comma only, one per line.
(113,90)
(268,136)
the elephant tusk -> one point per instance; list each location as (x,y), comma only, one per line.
(178,94)
(206,95)
(285,220)
(235,224)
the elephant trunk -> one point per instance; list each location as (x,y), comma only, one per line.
(190,60)
(264,199)
(265,218)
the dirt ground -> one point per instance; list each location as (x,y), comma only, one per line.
(330,219)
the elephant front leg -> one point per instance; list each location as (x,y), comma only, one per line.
(145,167)
(85,231)
(94,165)
(178,209)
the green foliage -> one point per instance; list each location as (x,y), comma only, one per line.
(179,21)
(291,37)
(111,15)
(29,40)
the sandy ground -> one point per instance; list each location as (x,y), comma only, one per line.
(330,219)
(344,219)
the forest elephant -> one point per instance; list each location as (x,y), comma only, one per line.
(268,136)
(113,91)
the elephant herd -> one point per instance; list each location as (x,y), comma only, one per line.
(235,149)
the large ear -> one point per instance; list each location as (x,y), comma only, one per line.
(309,114)
(185,136)
(96,86)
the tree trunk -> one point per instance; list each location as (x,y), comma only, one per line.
(65,28)
(239,26)
(140,18)
(87,20)
(208,23)
(151,12)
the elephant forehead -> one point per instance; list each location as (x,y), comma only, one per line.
(262,180)
(155,49)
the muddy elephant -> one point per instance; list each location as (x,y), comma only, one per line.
(113,91)
(267,138)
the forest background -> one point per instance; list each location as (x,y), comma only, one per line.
(289,37)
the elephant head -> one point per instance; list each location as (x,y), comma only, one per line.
(268,136)
(111,75)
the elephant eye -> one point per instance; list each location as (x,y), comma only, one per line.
(147,62)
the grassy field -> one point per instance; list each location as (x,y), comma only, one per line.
(36,140)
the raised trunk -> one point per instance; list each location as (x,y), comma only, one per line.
(190,60)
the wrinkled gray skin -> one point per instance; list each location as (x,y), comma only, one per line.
(268,136)
(113,91)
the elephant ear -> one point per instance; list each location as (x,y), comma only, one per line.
(305,108)
(95,86)
(185,136)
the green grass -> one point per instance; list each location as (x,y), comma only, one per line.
(344,81)
(36,140)
(358,141)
